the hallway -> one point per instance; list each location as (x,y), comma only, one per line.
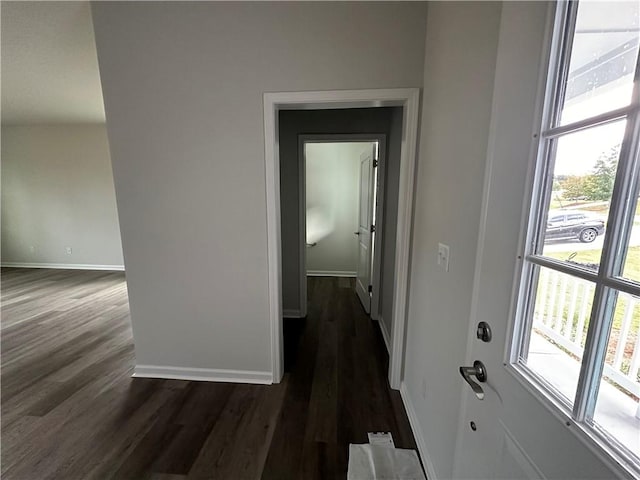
(337,389)
(71,410)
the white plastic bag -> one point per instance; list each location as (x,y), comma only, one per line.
(372,462)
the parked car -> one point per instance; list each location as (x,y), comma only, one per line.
(584,226)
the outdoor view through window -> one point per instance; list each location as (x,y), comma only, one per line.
(579,327)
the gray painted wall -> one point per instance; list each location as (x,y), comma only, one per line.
(387,121)
(332,176)
(57,192)
(460,59)
(183,87)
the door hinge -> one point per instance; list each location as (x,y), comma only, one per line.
(375,164)
(373,228)
(370,288)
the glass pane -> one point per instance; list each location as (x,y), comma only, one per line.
(617,409)
(603,59)
(631,267)
(583,177)
(559,329)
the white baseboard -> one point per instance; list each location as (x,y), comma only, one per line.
(330,273)
(385,334)
(63,266)
(290,313)
(202,374)
(417,432)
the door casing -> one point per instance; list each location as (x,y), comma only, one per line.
(409,99)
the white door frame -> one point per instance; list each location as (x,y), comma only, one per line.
(408,98)
(303,139)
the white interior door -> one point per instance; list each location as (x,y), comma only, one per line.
(365,222)
(510,433)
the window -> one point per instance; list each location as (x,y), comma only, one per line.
(577,336)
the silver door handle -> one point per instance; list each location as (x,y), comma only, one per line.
(480,372)
(356,233)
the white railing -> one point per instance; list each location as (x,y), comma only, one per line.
(561,313)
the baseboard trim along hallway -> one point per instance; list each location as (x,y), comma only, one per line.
(331,273)
(202,374)
(286,313)
(417,432)
(385,334)
(64,266)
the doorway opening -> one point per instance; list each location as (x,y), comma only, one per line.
(341,214)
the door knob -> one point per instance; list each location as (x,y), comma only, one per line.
(480,372)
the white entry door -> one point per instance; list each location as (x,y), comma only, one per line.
(365,224)
(486,447)
(510,433)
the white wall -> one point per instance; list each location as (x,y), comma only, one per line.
(459,74)
(57,192)
(332,196)
(183,86)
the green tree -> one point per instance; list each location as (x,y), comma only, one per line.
(573,187)
(599,185)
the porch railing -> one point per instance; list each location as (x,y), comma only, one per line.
(562,311)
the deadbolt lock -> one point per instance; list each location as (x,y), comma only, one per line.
(483,332)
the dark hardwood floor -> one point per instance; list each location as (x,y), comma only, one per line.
(70,409)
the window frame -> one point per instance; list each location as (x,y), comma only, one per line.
(608,279)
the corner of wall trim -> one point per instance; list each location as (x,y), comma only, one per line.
(202,374)
(417,432)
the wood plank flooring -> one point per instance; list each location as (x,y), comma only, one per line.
(70,409)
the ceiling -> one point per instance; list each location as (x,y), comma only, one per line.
(49,64)
(50,68)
